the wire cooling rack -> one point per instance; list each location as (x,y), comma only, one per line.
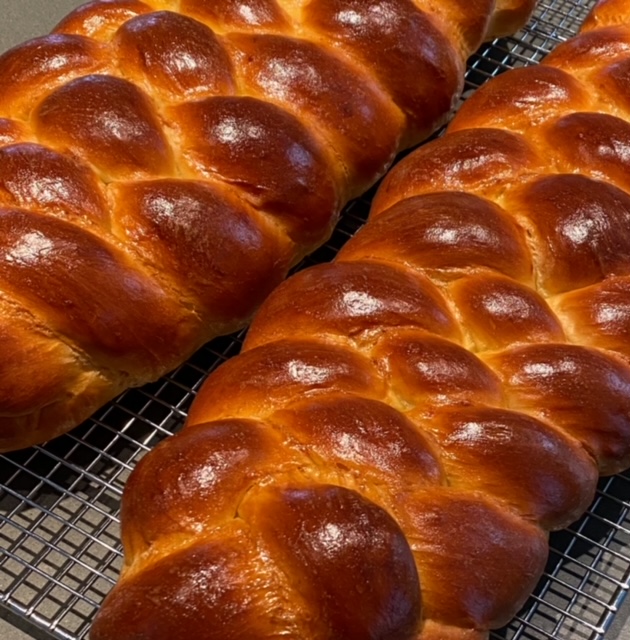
(59,503)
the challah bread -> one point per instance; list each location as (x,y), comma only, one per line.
(164,163)
(448,389)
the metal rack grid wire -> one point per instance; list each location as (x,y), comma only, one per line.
(59,503)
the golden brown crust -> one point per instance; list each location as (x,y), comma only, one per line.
(456,535)
(164,163)
(418,84)
(508,16)
(322,486)
(278,540)
(443,234)
(463,363)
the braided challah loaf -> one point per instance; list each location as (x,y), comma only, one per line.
(405,425)
(164,163)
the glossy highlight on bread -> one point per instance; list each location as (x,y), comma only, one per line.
(462,368)
(164,163)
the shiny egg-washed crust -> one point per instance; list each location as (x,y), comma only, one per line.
(405,425)
(164,163)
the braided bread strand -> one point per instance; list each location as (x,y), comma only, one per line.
(405,425)
(441,396)
(164,163)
